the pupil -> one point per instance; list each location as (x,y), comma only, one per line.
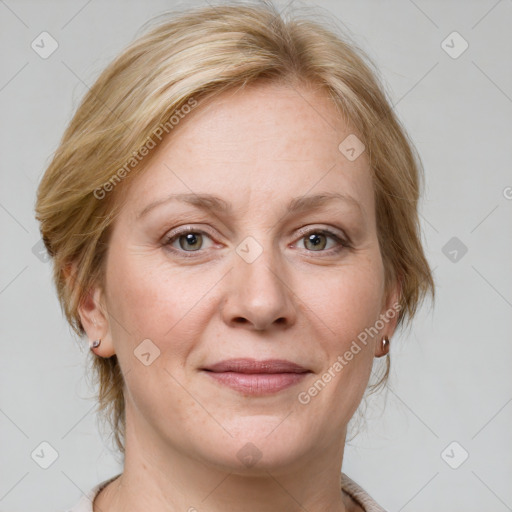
(192,240)
(315,239)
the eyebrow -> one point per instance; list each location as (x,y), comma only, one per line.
(213,203)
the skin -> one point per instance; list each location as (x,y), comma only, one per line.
(256,149)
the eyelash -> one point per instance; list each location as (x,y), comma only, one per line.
(342,244)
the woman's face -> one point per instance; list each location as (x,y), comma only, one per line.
(224,249)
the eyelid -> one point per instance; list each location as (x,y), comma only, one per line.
(331,231)
(184,229)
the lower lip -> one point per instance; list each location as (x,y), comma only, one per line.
(257,383)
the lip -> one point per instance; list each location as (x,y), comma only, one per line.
(245,365)
(253,377)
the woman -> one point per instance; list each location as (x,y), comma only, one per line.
(232,216)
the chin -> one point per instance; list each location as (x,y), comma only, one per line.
(258,445)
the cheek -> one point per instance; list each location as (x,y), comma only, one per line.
(148,302)
(348,301)
(151,301)
(344,308)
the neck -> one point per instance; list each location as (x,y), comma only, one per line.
(161,477)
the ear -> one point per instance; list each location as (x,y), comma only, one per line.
(94,316)
(389,314)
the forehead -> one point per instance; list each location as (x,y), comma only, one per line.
(267,142)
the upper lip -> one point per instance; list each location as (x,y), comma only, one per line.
(255,366)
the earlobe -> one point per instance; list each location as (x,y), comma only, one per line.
(95,321)
(383,348)
(93,315)
(389,316)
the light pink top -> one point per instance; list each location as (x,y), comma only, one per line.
(349,486)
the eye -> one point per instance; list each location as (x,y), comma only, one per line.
(187,240)
(316,240)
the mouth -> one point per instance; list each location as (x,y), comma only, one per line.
(252,377)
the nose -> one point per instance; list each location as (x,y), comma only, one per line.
(258,294)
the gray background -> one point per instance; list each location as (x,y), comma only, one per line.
(450,374)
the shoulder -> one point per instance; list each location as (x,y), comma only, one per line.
(85,502)
(359,495)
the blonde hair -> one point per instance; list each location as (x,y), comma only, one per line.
(196,54)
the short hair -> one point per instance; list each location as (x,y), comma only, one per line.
(193,55)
